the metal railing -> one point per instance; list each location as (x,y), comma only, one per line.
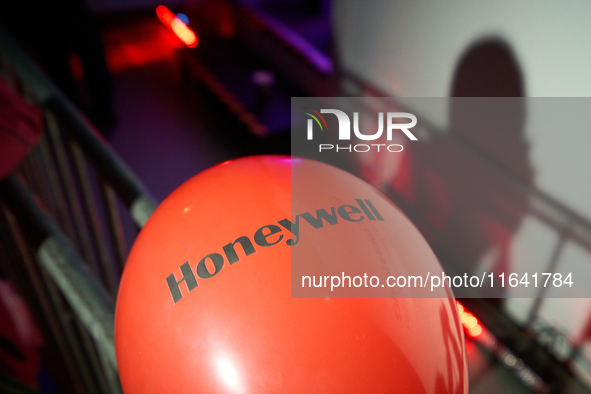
(63,216)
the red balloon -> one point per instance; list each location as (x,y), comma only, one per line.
(205,302)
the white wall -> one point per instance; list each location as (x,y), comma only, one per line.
(412,47)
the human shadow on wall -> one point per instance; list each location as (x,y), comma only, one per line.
(460,185)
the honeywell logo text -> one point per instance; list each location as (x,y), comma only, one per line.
(264,237)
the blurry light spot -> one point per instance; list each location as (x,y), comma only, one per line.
(527,377)
(177,26)
(137,44)
(229,374)
(471,322)
(475,331)
(510,360)
(184,18)
(263,78)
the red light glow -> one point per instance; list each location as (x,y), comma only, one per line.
(177,26)
(475,331)
(469,321)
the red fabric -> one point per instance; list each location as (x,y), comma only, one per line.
(20,338)
(21,124)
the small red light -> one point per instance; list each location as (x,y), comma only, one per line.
(177,26)
(475,331)
(469,321)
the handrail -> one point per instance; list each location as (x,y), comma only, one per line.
(87,297)
(85,294)
(127,186)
